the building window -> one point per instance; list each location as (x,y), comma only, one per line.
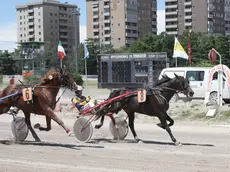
(39,20)
(39,26)
(39,33)
(40,39)
(20,35)
(51,14)
(39,13)
(20,17)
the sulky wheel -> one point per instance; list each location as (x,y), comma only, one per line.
(122,128)
(83,130)
(19,128)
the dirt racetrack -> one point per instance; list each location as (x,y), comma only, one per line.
(205,149)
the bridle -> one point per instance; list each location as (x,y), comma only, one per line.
(64,81)
(184,88)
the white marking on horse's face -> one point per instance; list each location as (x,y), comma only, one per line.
(50,77)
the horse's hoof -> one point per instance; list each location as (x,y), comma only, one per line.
(137,139)
(37,140)
(161,126)
(97,126)
(37,126)
(178,143)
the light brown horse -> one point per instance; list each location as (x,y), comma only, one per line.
(44,99)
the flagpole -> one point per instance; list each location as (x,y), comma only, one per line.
(86,83)
(176,61)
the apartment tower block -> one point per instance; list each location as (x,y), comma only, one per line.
(120,22)
(208,16)
(49,21)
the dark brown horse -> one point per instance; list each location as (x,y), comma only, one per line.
(44,99)
(157,103)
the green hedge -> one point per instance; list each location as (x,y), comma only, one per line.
(34,79)
(77,78)
(1,78)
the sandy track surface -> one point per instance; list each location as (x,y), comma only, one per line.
(205,149)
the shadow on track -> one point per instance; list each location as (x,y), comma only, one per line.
(48,144)
(146,142)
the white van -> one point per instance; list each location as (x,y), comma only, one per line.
(198,78)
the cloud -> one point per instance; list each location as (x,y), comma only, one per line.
(83,33)
(160,21)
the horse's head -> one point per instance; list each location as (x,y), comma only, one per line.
(67,79)
(60,77)
(183,85)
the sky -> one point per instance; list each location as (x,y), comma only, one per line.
(8,27)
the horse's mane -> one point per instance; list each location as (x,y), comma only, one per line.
(163,80)
(45,79)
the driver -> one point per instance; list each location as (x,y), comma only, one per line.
(79,100)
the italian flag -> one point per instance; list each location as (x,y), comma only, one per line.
(61,51)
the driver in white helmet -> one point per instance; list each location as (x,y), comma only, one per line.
(79,100)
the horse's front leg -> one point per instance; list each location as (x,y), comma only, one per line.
(101,122)
(168,118)
(50,113)
(162,118)
(48,123)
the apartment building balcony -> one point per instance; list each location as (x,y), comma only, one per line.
(64,12)
(61,17)
(154,16)
(171,19)
(30,10)
(187,17)
(106,6)
(131,20)
(31,23)
(63,23)
(64,30)
(96,23)
(171,6)
(95,16)
(210,16)
(95,9)
(154,23)
(107,28)
(187,3)
(171,12)
(96,36)
(31,36)
(131,27)
(64,36)
(131,34)
(107,21)
(31,29)
(107,14)
(171,26)
(107,35)
(107,42)
(30,17)
(188,24)
(187,10)
(96,30)
(172,32)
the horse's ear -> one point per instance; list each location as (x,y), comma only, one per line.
(176,75)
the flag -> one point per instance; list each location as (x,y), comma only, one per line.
(86,52)
(61,51)
(189,50)
(178,50)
